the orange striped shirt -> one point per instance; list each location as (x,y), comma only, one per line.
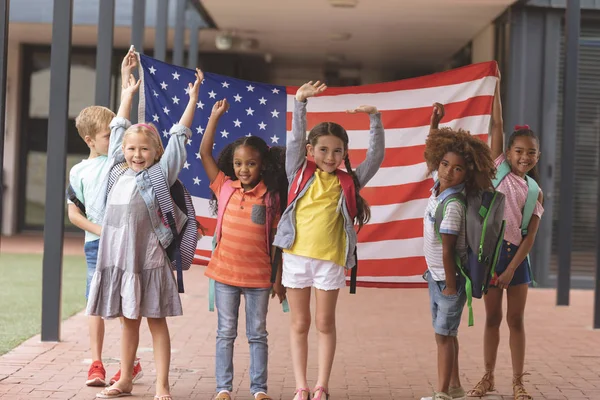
(241,258)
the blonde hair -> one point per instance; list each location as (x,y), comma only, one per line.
(93,120)
(151,133)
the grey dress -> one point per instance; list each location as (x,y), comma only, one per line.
(133,276)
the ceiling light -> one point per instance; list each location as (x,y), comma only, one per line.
(343,3)
(224,41)
(340,36)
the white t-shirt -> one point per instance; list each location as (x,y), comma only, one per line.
(454,223)
(86,178)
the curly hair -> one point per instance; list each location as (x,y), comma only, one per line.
(525,131)
(273,175)
(363,214)
(476,153)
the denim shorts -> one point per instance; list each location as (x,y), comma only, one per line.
(507,253)
(446,311)
(91,257)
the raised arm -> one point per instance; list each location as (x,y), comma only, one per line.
(188,114)
(175,155)
(295,153)
(436,116)
(206,147)
(376,151)
(127,91)
(497,128)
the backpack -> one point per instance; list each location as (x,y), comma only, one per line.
(182,248)
(73,198)
(533,191)
(347,183)
(484,233)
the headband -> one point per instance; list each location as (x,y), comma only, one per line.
(520,127)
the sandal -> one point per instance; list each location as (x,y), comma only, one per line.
(262,396)
(301,392)
(163,397)
(112,393)
(223,395)
(518,389)
(485,385)
(322,391)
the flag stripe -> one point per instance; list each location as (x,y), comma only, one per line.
(397,156)
(405,229)
(393,267)
(453,77)
(398,118)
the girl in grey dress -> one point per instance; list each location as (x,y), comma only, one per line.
(133,277)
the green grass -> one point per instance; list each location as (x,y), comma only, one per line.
(21,295)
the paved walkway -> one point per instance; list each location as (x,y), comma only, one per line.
(385,351)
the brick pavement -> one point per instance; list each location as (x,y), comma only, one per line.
(385,351)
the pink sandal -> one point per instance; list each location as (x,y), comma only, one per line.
(301,391)
(321,391)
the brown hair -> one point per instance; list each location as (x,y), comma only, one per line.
(151,133)
(476,153)
(331,128)
(93,120)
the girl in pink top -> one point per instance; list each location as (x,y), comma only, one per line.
(513,274)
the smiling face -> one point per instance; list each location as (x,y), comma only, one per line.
(452,171)
(140,151)
(247,165)
(328,152)
(523,154)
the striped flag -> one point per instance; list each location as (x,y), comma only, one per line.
(390,248)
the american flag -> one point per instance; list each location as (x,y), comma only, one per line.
(390,246)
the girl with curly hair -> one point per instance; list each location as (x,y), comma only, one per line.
(459,163)
(518,163)
(250,188)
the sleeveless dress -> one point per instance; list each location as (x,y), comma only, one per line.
(133,275)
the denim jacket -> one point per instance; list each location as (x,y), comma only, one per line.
(170,164)
(294,159)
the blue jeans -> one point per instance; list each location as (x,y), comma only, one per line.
(227,301)
(446,311)
(91,257)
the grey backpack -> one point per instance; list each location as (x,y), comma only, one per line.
(485,232)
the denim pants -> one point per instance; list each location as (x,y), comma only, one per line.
(227,302)
(91,257)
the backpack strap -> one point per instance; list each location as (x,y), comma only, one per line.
(439,216)
(165,203)
(71,196)
(354,273)
(533,191)
(501,172)
(115,172)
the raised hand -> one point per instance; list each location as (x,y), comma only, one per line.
(310,89)
(436,115)
(363,109)
(195,87)
(128,65)
(220,108)
(130,86)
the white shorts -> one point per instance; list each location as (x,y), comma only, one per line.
(300,272)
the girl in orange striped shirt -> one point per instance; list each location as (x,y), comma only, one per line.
(250,188)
